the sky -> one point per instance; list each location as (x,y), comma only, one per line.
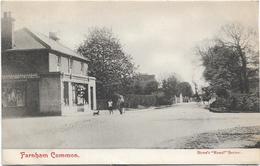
(160,36)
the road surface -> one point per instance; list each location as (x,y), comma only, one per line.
(166,127)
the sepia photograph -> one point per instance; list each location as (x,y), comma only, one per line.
(129,75)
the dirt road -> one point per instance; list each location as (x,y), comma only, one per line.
(168,127)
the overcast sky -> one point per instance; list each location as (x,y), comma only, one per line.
(160,36)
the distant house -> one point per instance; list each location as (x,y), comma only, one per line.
(42,76)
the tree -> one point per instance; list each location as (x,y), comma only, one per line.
(221,69)
(196,94)
(229,60)
(244,43)
(206,93)
(169,86)
(151,87)
(112,67)
(137,89)
(185,89)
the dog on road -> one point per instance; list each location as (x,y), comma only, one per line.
(96,113)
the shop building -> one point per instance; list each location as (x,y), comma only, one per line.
(42,76)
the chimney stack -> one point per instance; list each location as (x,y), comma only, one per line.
(53,36)
(7,31)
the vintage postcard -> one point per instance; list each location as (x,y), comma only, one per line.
(130,82)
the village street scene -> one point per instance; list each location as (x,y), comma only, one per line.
(176,127)
(112,75)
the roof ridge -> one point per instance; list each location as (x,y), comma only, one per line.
(63,45)
(47,37)
(37,38)
(53,45)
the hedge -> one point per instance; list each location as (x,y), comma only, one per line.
(132,101)
(237,103)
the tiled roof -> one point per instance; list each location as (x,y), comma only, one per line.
(45,41)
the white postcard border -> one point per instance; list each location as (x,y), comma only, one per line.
(131,156)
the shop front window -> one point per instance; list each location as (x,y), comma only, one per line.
(79,94)
(13,95)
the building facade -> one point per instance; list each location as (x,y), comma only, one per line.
(42,76)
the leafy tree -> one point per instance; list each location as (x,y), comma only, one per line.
(196,94)
(151,87)
(185,89)
(206,93)
(169,86)
(137,89)
(221,69)
(112,67)
(230,59)
(244,43)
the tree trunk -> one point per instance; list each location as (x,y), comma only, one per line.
(241,83)
(244,71)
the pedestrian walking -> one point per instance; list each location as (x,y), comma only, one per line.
(120,104)
(110,106)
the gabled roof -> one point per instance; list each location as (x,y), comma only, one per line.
(25,39)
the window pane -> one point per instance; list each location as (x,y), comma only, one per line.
(79,94)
